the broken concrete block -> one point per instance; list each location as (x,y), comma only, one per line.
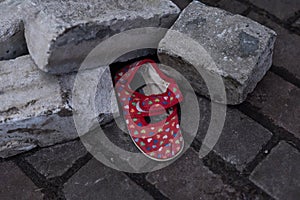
(12,40)
(231,46)
(36,109)
(60,34)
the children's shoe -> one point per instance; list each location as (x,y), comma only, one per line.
(159,138)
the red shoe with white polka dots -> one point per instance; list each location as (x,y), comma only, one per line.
(161,140)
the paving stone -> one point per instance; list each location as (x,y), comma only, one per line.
(56,160)
(286,51)
(232,6)
(96,181)
(15,184)
(241,139)
(34,110)
(12,40)
(60,34)
(117,134)
(279,173)
(281,9)
(233,47)
(188,178)
(278,100)
(117,150)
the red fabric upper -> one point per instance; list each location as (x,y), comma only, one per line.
(162,140)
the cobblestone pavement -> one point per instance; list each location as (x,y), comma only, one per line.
(257,156)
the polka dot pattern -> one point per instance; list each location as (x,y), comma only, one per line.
(161,140)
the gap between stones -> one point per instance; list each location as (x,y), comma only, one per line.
(233,177)
(286,75)
(140,180)
(262,154)
(53,188)
(294,18)
(230,175)
(47,188)
(277,131)
(279,134)
(275,19)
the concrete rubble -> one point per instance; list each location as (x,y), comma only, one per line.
(36,108)
(60,34)
(36,90)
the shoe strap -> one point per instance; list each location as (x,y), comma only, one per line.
(139,104)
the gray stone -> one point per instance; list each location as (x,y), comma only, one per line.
(56,160)
(281,9)
(286,48)
(16,185)
(95,181)
(232,6)
(12,40)
(36,111)
(278,101)
(231,46)
(279,173)
(188,178)
(60,34)
(241,139)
